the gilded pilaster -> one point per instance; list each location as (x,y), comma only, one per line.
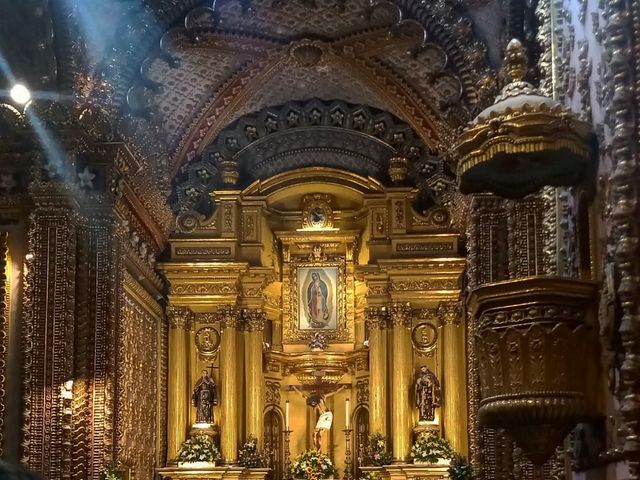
(48,329)
(254,321)
(180,320)
(229,317)
(400,316)
(376,318)
(455,397)
(5,287)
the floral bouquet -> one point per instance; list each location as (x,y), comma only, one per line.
(430,447)
(249,456)
(460,469)
(199,448)
(377,453)
(312,465)
(111,473)
(370,476)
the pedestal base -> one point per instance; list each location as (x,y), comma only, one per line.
(203,429)
(217,473)
(410,471)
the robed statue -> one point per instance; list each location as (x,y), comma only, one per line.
(427,391)
(204,398)
(317,302)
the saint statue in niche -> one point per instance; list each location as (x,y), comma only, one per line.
(317,298)
(427,391)
(204,398)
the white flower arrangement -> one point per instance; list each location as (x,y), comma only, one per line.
(431,447)
(199,448)
(312,465)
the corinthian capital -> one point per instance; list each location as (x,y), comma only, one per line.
(376,317)
(180,317)
(254,320)
(401,314)
(449,313)
(228,316)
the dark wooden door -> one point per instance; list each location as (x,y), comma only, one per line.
(273,439)
(360,440)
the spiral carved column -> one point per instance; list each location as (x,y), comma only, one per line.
(180,320)
(376,318)
(400,317)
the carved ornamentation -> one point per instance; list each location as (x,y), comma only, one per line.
(180,317)
(533,375)
(207,342)
(254,320)
(48,332)
(623,25)
(317,211)
(376,317)
(272,392)
(362,391)
(137,388)
(400,315)
(424,337)
(267,143)
(228,316)
(5,312)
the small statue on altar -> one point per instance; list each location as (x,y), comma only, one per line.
(204,398)
(427,391)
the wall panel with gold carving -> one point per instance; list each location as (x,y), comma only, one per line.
(5,310)
(49,302)
(137,392)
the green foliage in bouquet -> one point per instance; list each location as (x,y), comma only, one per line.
(199,448)
(312,465)
(430,447)
(249,456)
(377,453)
(111,473)
(459,469)
(370,476)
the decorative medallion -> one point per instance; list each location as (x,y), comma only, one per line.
(424,337)
(207,341)
(317,213)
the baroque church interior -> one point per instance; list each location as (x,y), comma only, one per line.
(320,239)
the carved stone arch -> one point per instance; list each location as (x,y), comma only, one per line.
(314,133)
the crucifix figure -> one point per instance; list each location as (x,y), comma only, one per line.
(317,400)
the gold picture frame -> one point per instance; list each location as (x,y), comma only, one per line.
(329,277)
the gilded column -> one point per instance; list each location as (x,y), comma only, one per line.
(229,401)
(400,317)
(180,319)
(254,323)
(48,326)
(376,318)
(454,378)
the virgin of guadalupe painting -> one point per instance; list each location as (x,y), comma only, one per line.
(317,297)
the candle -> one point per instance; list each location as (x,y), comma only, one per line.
(347,414)
(286,415)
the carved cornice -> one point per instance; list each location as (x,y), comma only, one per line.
(180,317)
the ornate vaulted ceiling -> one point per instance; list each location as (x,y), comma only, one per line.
(208,67)
(174,75)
